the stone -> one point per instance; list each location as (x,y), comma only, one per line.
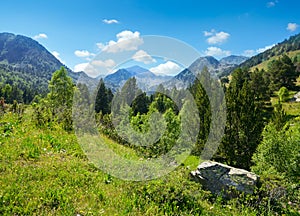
(296,97)
(220,179)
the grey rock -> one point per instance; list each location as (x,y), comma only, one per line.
(220,179)
(296,97)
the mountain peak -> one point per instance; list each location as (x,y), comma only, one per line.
(137,69)
(233,59)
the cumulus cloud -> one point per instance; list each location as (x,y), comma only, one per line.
(40,36)
(110,21)
(83,53)
(57,55)
(217,52)
(216,37)
(142,56)
(126,41)
(95,67)
(109,63)
(80,67)
(169,68)
(292,27)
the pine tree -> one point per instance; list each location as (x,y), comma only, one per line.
(244,121)
(204,109)
(103,99)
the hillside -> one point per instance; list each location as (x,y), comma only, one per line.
(264,65)
(27,64)
(287,46)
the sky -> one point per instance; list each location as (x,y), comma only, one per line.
(77,31)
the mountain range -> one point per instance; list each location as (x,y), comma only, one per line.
(26,63)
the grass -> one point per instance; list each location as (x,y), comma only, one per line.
(290,107)
(45,172)
(264,64)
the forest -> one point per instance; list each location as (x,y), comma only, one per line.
(44,170)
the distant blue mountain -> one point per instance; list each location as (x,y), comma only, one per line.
(146,79)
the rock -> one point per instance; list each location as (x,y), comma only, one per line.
(220,179)
(296,97)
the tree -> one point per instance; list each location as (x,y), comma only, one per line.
(279,152)
(244,121)
(60,98)
(282,73)
(103,99)
(204,109)
(283,94)
(279,117)
(61,89)
(140,104)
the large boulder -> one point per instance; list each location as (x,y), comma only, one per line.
(224,180)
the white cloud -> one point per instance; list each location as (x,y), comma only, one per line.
(142,56)
(109,63)
(80,67)
(272,3)
(110,21)
(206,33)
(126,41)
(96,67)
(83,53)
(216,37)
(57,55)
(168,68)
(217,52)
(292,27)
(40,36)
(260,50)
(250,53)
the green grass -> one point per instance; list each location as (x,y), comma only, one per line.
(290,107)
(45,172)
(264,65)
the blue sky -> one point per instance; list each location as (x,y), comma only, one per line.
(75,31)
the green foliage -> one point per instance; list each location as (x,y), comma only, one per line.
(283,94)
(204,109)
(282,72)
(278,152)
(103,99)
(244,121)
(279,118)
(57,106)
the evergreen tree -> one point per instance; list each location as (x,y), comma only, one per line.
(140,104)
(244,121)
(103,99)
(204,109)
(282,73)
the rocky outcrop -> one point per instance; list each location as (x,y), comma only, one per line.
(220,179)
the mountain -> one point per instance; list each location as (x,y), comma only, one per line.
(286,46)
(146,80)
(219,68)
(27,64)
(233,60)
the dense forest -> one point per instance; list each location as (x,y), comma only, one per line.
(38,143)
